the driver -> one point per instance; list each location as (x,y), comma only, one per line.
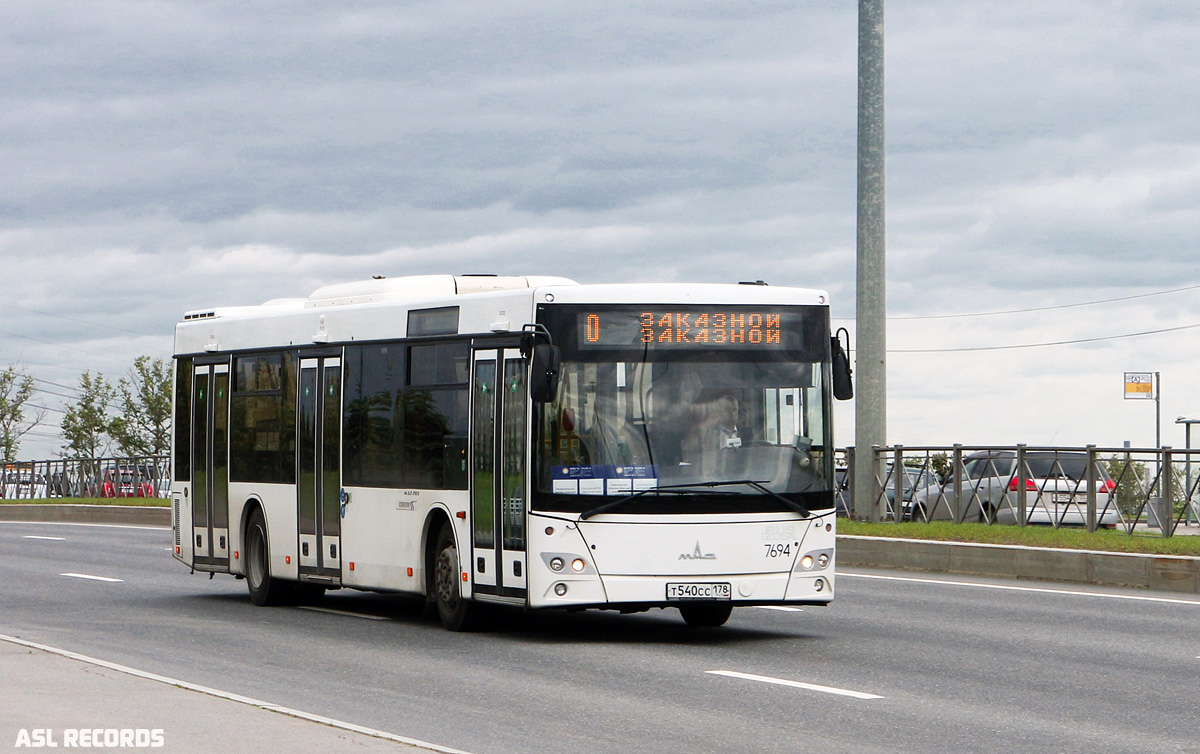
(713,419)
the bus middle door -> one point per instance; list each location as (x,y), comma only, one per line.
(318,457)
(499,417)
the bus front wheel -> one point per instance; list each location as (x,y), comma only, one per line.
(455,612)
(706,614)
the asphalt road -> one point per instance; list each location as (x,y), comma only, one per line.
(899,663)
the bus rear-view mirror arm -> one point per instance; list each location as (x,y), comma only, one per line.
(545,364)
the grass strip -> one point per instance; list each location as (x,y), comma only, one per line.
(140,502)
(1030,536)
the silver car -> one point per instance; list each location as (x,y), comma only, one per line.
(1056,491)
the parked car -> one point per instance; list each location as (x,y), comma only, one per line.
(914,479)
(1056,491)
(127,481)
(23,485)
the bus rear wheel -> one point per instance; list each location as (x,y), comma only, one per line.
(706,614)
(455,612)
(265,590)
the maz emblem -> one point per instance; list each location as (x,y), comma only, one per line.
(697,554)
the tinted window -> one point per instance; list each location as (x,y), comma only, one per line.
(440,321)
(373,420)
(439,364)
(401,429)
(262,432)
(183,420)
(979,468)
(1060,467)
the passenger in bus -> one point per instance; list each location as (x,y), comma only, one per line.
(617,440)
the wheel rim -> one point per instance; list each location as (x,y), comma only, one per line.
(446,578)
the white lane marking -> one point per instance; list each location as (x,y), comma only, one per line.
(234,697)
(93,578)
(54,539)
(794,684)
(314,608)
(784,608)
(72,523)
(1006,587)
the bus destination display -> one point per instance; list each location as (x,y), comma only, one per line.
(741,328)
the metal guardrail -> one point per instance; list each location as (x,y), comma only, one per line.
(146,476)
(1129,489)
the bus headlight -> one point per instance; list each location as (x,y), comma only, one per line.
(806,562)
(823,560)
(556,564)
(578,564)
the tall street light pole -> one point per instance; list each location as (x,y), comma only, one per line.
(870,414)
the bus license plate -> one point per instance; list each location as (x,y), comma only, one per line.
(716,591)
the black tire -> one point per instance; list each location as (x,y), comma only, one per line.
(455,612)
(706,614)
(265,590)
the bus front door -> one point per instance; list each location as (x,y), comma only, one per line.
(210,467)
(318,477)
(499,417)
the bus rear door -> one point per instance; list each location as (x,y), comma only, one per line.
(210,467)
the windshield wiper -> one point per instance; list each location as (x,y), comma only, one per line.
(621,501)
(676,488)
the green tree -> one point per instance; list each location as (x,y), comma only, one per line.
(16,388)
(940,463)
(143,426)
(85,424)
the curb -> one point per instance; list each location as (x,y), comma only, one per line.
(135,515)
(1170,573)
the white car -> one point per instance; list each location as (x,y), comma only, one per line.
(1056,491)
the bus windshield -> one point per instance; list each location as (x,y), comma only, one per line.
(739,426)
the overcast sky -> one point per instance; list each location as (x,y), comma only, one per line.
(157,157)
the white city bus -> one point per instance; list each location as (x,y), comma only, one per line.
(523,441)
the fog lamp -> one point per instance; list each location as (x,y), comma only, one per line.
(560,589)
(819,584)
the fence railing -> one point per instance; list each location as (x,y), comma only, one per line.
(146,476)
(1129,489)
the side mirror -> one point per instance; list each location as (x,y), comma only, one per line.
(544,372)
(843,383)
